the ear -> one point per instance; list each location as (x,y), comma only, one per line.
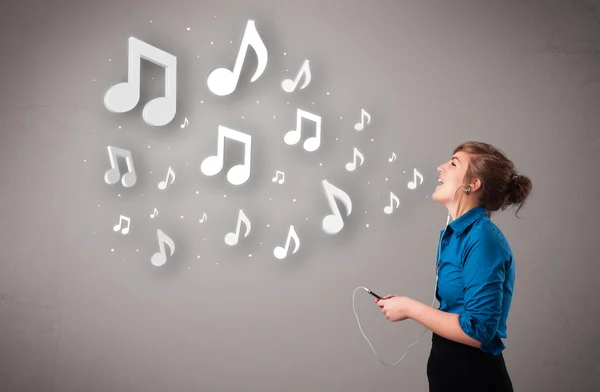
(476,185)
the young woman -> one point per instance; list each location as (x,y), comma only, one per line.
(475,273)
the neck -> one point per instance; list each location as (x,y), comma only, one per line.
(466,206)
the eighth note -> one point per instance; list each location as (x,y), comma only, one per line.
(160,257)
(277,173)
(163,184)
(185,123)
(332,224)
(204,218)
(232,238)
(280,252)
(351,166)
(289,85)
(413,184)
(117,227)
(361,125)
(393,158)
(154,213)
(389,209)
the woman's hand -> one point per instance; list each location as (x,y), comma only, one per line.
(395,307)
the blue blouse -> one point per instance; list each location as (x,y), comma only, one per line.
(476,276)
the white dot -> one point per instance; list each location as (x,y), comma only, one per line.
(109,60)
(224,195)
(94,233)
(273,116)
(368,182)
(112,250)
(189,267)
(211,42)
(137,250)
(187,163)
(188,29)
(287,70)
(198,56)
(320,164)
(294,200)
(204,239)
(123,260)
(328,93)
(148,146)
(150,172)
(84,160)
(215,16)
(169,147)
(386,179)
(94,80)
(230,42)
(306,218)
(288,103)
(181,216)
(201,101)
(261,242)
(242,116)
(119,127)
(98,205)
(267,225)
(365,212)
(150,21)
(340,118)
(367,225)
(336,139)
(269,198)
(197,192)
(403,171)
(256,101)
(371,139)
(198,256)
(250,255)
(285,54)
(119,195)
(313,103)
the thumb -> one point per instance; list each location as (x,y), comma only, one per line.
(388,296)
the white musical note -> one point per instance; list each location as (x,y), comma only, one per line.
(413,184)
(232,238)
(112,175)
(351,166)
(292,137)
(281,180)
(204,218)
(125,96)
(154,213)
(185,123)
(361,125)
(159,258)
(389,209)
(393,158)
(163,184)
(222,81)
(332,224)
(289,85)
(214,164)
(118,226)
(280,252)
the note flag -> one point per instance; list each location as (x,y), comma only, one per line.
(351,166)
(292,137)
(289,85)
(113,174)
(332,224)
(160,257)
(125,96)
(117,227)
(413,184)
(232,238)
(361,125)
(238,174)
(389,209)
(280,252)
(222,81)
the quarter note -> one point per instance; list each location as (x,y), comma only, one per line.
(163,184)
(351,166)
(160,257)
(122,219)
(361,125)
(280,252)
(222,81)
(281,180)
(413,184)
(289,85)
(214,164)
(389,209)
(113,175)
(125,96)
(292,137)
(232,238)
(332,224)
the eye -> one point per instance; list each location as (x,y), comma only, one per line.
(452,163)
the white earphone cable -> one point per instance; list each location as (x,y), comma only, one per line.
(432,302)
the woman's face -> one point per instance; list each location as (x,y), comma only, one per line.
(451,174)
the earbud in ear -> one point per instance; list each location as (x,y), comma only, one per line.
(468,190)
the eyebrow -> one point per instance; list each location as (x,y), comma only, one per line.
(456,159)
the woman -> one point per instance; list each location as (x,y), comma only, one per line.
(475,273)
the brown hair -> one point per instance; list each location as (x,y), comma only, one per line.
(501,186)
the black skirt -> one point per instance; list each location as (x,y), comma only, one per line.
(457,367)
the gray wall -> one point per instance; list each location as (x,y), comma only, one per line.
(76,316)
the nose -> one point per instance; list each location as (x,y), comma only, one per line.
(439,169)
